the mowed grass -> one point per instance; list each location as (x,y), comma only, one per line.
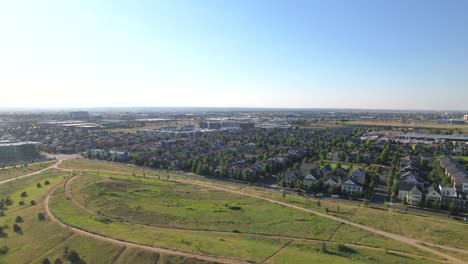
(10,173)
(307,252)
(132,255)
(235,246)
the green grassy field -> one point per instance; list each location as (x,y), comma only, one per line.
(9,173)
(179,205)
(86,164)
(37,236)
(157,212)
(194,207)
(143,257)
(311,253)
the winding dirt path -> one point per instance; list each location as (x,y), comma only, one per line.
(45,204)
(70,181)
(410,241)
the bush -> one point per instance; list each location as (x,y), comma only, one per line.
(33,202)
(21,202)
(46,261)
(24,194)
(46,183)
(8,201)
(41,216)
(4,250)
(19,219)
(38,185)
(17,229)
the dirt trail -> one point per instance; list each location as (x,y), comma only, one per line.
(410,241)
(291,239)
(130,244)
(32,173)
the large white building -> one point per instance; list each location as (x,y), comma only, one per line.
(18,151)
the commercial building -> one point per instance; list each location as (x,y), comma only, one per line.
(79,115)
(465,118)
(227,124)
(18,151)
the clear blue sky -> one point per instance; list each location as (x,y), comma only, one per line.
(313,54)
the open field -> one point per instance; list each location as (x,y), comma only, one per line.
(9,173)
(143,257)
(191,218)
(82,164)
(301,253)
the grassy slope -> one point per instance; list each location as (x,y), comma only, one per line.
(310,253)
(9,173)
(38,236)
(193,207)
(132,255)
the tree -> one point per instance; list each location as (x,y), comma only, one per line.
(38,185)
(17,229)
(58,261)
(46,182)
(24,194)
(41,216)
(19,219)
(33,202)
(4,250)
(318,203)
(323,248)
(46,261)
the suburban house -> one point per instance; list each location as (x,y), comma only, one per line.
(306,167)
(414,196)
(332,181)
(359,175)
(433,195)
(455,171)
(409,192)
(351,186)
(309,180)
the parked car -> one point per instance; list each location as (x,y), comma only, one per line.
(335,196)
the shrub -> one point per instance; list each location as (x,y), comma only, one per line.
(24,194)
(17,229)
(38,185)
(21,202)
(46,183)
(4,250)
(33,202)
(41,216)
(19,219)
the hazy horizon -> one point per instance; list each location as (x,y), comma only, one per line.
(374,55)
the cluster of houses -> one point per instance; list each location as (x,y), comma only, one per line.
(311,174)
(415,190)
